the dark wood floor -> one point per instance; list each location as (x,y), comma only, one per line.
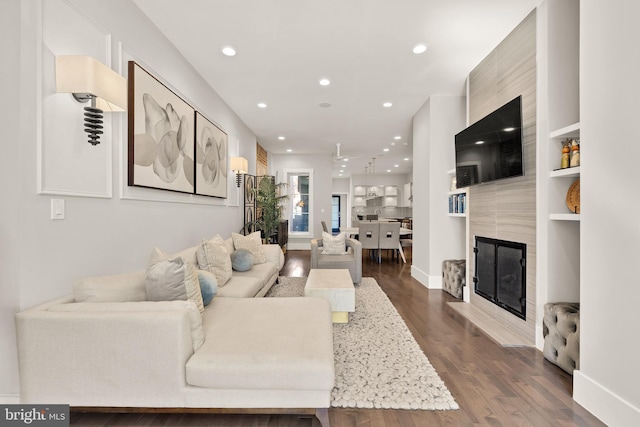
(494,386)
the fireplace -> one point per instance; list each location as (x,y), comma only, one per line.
(500,274)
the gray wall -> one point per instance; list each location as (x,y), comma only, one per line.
(11,187)
(322,190)
(607,383)
(41,258)
(436,236)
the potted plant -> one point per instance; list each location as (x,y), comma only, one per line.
(270,200)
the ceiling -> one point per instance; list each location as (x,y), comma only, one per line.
(284,47)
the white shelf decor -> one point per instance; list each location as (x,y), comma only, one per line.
(565,173)
(564,217)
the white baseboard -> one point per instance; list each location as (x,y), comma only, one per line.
(9,399)
(420,276)
(426,280)
(435,282)
(603,403)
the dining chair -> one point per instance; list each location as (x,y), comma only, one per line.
(390,239)
(369,236)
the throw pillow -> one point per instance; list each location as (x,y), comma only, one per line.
(213,256)
(172,279)
(242,260)
(253,243)
(208,286)
(333,245)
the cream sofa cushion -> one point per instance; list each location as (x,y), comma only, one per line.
(253,243)
(333,245)
(295,354)
(168,279)
(113,288)
(214,257)
(195,319)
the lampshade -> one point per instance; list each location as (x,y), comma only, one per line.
(239,165)
(85,75)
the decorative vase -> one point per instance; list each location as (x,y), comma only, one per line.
(575,153)
(564,163)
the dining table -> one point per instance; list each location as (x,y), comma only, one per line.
(403,232)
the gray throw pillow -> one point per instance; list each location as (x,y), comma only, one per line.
(172,279)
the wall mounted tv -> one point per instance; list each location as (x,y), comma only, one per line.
(491,148)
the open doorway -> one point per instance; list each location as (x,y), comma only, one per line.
(336,213)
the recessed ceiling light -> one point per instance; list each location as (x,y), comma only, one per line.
(393,144)
(281,138)
(324,105)
(339,174)
(385,150)
(324,82)
(419,48)
(289,150)
(388,170)
(509,129)
(262,105)
(406,159)
(229,51)
(387,104)
(341,171)
(479,142)
(345,160)
(396,166)
(397,137)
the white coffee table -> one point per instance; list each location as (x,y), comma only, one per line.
(336,286)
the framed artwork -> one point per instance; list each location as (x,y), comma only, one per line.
(211,158)
(161,135)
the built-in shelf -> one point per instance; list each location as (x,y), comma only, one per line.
(564,217)
(565,173)
(458,215)
(567,131)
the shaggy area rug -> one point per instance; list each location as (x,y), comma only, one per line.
(378,363)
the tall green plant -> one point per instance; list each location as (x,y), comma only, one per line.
(270,200)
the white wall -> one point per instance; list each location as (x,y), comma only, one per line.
(607,383)
(436,236)
(40,257)
(322,191)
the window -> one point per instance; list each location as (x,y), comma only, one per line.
(300,202)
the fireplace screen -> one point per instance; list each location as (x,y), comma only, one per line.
(500,273)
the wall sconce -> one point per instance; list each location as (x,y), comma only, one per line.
(239,165)
(90,80)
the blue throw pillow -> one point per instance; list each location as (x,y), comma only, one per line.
(208,286)
(241,260)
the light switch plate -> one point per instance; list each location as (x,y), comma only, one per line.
(57,208)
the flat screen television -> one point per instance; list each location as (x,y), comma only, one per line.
(491,148)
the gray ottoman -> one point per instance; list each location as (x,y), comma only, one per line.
(561,331)
(454,273)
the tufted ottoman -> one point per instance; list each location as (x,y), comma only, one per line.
(454,273)
(561,331)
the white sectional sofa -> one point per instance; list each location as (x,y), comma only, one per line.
(126,353)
